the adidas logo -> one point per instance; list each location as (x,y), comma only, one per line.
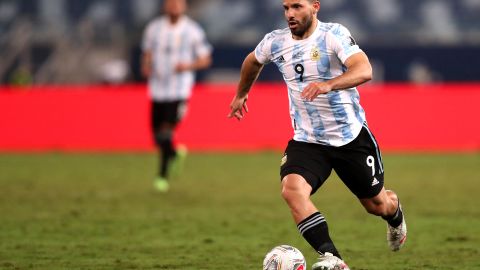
(281,59)
(375,182)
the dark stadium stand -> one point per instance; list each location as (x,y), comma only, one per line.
(401,36)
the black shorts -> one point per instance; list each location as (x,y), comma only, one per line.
(170,112)
(358,164)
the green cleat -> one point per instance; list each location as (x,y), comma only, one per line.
(178,162)
(161,184)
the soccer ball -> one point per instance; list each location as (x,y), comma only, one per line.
(284,257)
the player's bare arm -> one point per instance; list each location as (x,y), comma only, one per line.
(251,68)
(147,64)
(358,71)
(200,63)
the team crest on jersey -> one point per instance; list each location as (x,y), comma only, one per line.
(315,54)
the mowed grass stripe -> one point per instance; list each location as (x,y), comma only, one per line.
(99,211)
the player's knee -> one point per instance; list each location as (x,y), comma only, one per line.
(162,136)
(293,191)
(290,196)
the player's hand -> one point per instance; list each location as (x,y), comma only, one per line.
(181,67)
(315,89)
(146,71)
(238,107)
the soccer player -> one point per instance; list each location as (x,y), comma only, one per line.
(174,47)
(322,65)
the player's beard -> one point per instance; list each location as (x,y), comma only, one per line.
(302,26)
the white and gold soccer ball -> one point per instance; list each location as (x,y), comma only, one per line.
(284,257)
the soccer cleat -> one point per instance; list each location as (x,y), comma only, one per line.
(396,236)
(178,162)
(161,184)
(329,262)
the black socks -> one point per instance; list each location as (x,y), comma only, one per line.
(396,219)
(167,151)
(315,230)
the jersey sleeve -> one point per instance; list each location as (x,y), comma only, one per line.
(263,50)
(148,37)
(342,42)
(201,46)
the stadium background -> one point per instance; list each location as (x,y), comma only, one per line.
(92,48)
(76,159)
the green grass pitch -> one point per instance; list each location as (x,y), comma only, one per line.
(99,211)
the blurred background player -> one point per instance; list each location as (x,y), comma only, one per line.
(322,65)
(174,47)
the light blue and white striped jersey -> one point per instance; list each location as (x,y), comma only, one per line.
(172,44)
(335,118)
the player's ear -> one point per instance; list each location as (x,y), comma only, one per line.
(316,6)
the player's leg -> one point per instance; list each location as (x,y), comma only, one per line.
(179,153)
(303,171)
(162,133)
(359,165)
(164,139)
(310,222)
(170,114)
(387,205)
(162,129)
(296,193)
